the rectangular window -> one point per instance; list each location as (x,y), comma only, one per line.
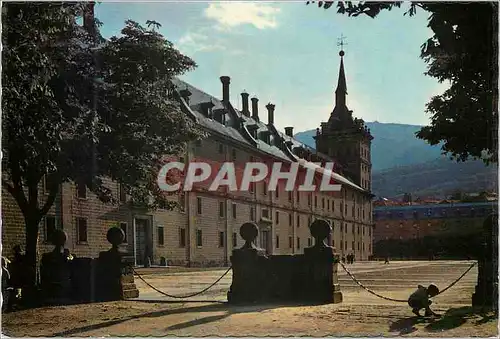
(333,242)
(182,237)
(277,241)
(123,195)
(221,209)
(265,213)
(277,217)
(235,239)
(298,243)
(290,195)
(199,238)
(353,246)
(198,205)
(123,226)
(252,213)
(290,242)
(182,202)
(234,155)
(323,203)
(315,201)
(221,148)
(82,229)
(290,219)
(264,188)
(309,242)
(50,227)
(252,187)
(298,220)
(221,239)
(161,236)
(81,191)
(48,182)
(277,191)
(309,199)
(328,205)
(345,245)
(234,211)
(345,209)
(298,196)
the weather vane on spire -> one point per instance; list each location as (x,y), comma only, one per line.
(341,43)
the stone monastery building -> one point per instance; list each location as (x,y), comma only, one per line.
(206,229)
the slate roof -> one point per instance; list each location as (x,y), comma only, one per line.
(234,119)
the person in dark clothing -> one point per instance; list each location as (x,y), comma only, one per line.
(420,299)
(6,288)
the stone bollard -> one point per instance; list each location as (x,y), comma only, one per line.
(321,283)
(56,272)
(248,264)
(114,279)
(486,292)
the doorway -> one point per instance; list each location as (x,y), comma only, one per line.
(143,241)
(265,241)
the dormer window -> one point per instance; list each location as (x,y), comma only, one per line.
(206,108)
(220,116)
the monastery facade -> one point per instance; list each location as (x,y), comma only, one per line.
(205,230)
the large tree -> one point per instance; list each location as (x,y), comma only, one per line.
(463,52)
(79,109)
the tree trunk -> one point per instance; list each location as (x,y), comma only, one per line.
(31,258)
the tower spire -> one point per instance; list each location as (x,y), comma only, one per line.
(341,91)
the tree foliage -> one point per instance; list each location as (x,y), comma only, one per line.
(77,109)
(462,52)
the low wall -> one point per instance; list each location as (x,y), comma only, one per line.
(309,277)
(65,279)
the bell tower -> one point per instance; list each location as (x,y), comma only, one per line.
(346,140)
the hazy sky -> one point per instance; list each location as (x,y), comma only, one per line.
(286,53)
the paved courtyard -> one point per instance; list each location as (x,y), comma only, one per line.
(361,313)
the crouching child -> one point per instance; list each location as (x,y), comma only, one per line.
(420,300)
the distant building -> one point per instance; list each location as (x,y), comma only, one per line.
(401,223)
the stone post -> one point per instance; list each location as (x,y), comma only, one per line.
(321,260)
(114,279)
(248,263)
(55,272)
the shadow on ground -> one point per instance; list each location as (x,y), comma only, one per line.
(215,306)
(453,318)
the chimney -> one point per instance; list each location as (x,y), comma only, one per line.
(88,18)
(255,108)
(244,101)
(270,114)
(225,88)
(289,131)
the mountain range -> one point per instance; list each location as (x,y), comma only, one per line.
(402,163)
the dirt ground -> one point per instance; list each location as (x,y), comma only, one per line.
(360,314)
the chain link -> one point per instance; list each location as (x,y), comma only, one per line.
(181,296)
(401,300)
(342,264)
